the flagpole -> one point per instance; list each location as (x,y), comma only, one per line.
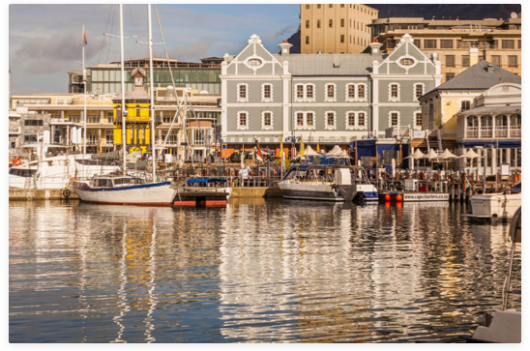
(123,110)
(84,94)
(151,86)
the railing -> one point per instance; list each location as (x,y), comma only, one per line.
(501,132)
(448,135)
(515,133)
(486,132)
(472,132)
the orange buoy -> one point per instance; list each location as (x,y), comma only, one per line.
(387,197)
(399,198)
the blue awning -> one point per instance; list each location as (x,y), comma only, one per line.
(483,143)
(206,180)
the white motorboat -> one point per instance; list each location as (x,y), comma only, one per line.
(56,172)
(497,205)
(317,182)
(504,326)
(124,190)
(365,191)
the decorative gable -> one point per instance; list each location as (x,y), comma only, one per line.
(254,59)
(407,59)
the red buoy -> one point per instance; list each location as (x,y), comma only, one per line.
(387,197)
(399,198)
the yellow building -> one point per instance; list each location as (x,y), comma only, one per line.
(496,41)
(335,28)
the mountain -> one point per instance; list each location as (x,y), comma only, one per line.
(442,11)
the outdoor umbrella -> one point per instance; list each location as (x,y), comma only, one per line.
(447,155)
(416,155)
(470,154)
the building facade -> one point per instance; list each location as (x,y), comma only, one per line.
(335,28)
(497,41)
(322,98)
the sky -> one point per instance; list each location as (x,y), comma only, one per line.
(45,41)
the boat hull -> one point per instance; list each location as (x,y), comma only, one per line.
(318,192)
(495,205)
(158,194)
(366,193)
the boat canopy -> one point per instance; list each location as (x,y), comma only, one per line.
(206,180)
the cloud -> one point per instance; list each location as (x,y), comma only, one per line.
(191,52)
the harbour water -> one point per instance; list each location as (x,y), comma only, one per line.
(256,271)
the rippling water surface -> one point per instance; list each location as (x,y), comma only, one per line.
(256,271)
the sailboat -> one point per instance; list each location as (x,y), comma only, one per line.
(123,189)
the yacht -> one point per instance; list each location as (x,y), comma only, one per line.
(365,191)
(118,189)
(56,172)
(318,182)
(497,205)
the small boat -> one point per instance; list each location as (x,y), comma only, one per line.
(318,182)
(365,191)
(496,205)
(504,325)
(124,190)
(202,192)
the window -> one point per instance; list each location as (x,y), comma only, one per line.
(465,61)
(307,7)
(242,121)
(318,23)
(307,23)
(393,92)
(330,92)
(300,91)
(330,120)
(351,91)
(95,118)
(310,122)
(109,137)
(307,40)
(394,119)
(418,90)
(351,119)
(418,117)
(496,60)
(138,110)
(299,119)
(342,22)
(30,138)
(429,44)
(33,122)
(361,119)
(450,60)
(512,61)
(330,6)
(465,105)
(254,62)
(309,91)
(361,91)
(342,38)
(406,61)
(330,23)
(417,43)
(266,120)
(449,76)
(508,44)
(110,117)
(519,44)
(318,6)
(266,91)
(242,94)
(446,43)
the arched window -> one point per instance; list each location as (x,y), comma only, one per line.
(138,110)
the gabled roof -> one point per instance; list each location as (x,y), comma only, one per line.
(477,77)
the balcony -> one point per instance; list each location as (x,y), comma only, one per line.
(489,133)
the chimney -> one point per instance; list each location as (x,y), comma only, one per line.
(375,47)
(286,48)
(473,56)
(489,68)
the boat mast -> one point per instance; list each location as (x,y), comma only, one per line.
(84,95)
(152,91)
(123,111)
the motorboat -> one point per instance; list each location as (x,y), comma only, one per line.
(318,182)
(56,172)
(117,189)
(504,325)
(202,192)
(496,205)
(365,191)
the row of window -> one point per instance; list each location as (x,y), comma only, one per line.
(450,44)
(353,24)
(306,92)
(305,120)
(355,7)
(359,41)
(450,60)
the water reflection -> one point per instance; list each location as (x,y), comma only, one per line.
(258,270)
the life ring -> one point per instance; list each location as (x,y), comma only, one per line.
(17,161)
(66,193)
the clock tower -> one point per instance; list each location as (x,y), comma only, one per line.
(138,74)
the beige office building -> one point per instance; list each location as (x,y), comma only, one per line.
(335,28)
(498,41)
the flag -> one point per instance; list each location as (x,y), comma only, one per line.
(281,147)
(84,39)
(467,185)
(318,146)
(302,148)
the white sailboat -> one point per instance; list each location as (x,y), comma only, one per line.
(125,189)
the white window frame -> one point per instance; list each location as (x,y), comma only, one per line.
(365,120)
(460,104)
(414,98)
(304,126)
(296,98)
(393,99)
(239,98)
(326,125)
(390,118)
(347,95)
(415,126)
(239,126)
(263,98)
(263,126)
(348,126)
(365,98)
(330,99)
(306,98)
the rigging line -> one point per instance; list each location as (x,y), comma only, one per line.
(111,30)
(105,31)
(136,28)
